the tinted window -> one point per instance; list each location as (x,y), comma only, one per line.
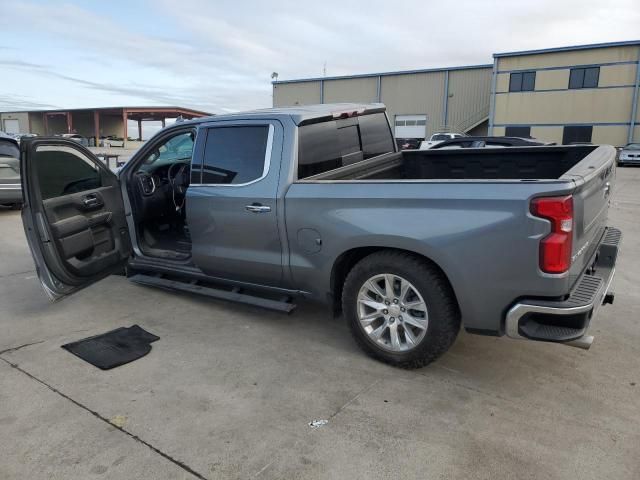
(234,155)
(375,135)
(515,82)
(522,81)
(349,139)
(524,132)
(573,134)
(329,145)
(591,76)
(318,149)
(64,170)
(584,77)
(528,81)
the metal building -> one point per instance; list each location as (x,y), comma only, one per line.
(586,93)
(419,102)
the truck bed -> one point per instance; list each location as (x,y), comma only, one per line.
(515,163)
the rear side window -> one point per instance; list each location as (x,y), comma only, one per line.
(375,134)
(235,155)
(329,145)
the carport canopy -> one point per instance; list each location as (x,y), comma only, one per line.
(101,122)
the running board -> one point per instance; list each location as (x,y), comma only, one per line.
(233,295)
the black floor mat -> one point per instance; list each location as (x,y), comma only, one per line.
(114,348)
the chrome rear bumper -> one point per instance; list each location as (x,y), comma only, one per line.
(567,321)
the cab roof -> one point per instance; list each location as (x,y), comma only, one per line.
(305,114)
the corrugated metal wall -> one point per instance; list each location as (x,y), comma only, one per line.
(420,93)
(364,90)
(417,93)
(469,95)
(299,93)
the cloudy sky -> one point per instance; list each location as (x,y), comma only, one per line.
(218,55)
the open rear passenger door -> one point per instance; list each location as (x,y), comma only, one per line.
(73,215)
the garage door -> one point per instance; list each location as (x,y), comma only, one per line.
(11,126)
(410,126)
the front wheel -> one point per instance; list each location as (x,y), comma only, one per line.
(400,309)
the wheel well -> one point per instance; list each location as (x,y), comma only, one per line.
(345,262)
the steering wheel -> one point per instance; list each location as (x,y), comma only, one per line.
(178,177)
(179,181)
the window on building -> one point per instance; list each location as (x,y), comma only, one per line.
(234,155)
(584,77)
(522,82)
(519,131)
(577,134)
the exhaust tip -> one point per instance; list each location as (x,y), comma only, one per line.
(582,342)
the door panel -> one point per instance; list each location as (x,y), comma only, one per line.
(234,226)
(74,215)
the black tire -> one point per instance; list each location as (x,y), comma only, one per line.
(444,315)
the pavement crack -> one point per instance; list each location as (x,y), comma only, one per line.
(353,399)
(16,273)
(13,349)
(175,461)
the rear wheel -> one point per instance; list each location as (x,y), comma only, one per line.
(400,309)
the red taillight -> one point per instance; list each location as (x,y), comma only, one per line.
(555,248)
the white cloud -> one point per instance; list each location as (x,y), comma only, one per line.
(218,56)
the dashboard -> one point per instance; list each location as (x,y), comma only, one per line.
(154,192)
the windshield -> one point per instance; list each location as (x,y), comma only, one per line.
(439,136)
(175,149)
(633,146)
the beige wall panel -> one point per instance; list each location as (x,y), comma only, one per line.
(502,82)
(418,93)
(613,75)
(362,90)
(22,117)
(552,79)
(576,57)
(37,123)
(571,106)
(303,93)
(610,135)
(636,134)
(548,134)
(111,125)
(498,131)
(469,93)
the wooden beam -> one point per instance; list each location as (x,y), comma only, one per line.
(45,120)
(96,126)
(125,118)
(69,123)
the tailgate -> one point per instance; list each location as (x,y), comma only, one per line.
(594,177)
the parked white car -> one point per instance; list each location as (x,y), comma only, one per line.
(630,154)
(437,138)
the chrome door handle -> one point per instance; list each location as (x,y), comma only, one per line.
(257,208)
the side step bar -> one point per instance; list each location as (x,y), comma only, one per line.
(233,295)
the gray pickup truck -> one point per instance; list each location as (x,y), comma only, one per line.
(268,206)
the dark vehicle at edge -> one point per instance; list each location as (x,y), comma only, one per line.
(10,186)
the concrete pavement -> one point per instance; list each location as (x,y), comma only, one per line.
(229,390)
